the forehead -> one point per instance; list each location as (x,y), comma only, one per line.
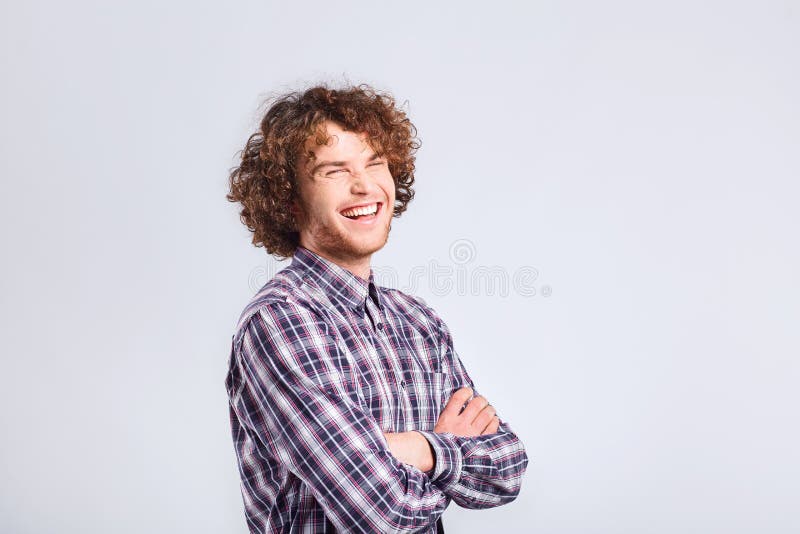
(331,140)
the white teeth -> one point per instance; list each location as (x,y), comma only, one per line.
(364,210)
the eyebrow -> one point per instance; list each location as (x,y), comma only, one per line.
(321,164)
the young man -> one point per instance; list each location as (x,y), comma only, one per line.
(350,409)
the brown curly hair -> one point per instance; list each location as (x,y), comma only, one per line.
(265,182)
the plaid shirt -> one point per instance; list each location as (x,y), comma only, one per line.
(322,364)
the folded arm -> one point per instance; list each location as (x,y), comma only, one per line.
(476,470)
(296,392)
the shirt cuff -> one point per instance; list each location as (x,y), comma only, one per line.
(447,456)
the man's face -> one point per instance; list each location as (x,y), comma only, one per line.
(346,174)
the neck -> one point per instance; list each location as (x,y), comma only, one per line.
(358,266)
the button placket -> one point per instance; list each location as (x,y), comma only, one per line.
(402,403)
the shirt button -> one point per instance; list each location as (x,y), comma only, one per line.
(380,326)
(403,384)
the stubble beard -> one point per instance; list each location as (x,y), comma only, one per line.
(335,242)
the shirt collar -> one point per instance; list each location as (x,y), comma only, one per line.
(336,281)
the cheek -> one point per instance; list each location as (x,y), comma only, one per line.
(390,188)
(318,205)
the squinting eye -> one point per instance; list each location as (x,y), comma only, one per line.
(373,164)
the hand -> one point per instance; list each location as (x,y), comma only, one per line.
(411,448)
(477,419)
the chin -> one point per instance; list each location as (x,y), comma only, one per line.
(369,246)
(365,249)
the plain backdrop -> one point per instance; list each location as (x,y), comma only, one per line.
(638,162)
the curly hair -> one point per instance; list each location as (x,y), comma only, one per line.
(265,182)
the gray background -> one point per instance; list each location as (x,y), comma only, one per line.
(642,157)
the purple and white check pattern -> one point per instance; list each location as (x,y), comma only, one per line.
(322,364)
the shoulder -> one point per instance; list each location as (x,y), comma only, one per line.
(281,301)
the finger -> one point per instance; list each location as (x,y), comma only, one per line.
(493,427)
(474,408)
(484,418)
(457,401)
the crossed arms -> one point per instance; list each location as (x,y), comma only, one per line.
(295,391)
(477,418)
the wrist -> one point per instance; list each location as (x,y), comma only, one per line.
(448,458)
(427,457)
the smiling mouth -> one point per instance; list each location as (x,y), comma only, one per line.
(366,212)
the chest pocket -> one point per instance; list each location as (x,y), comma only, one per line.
(414,402)
(421,398)
(401,385)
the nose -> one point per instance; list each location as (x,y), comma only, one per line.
(362,182)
